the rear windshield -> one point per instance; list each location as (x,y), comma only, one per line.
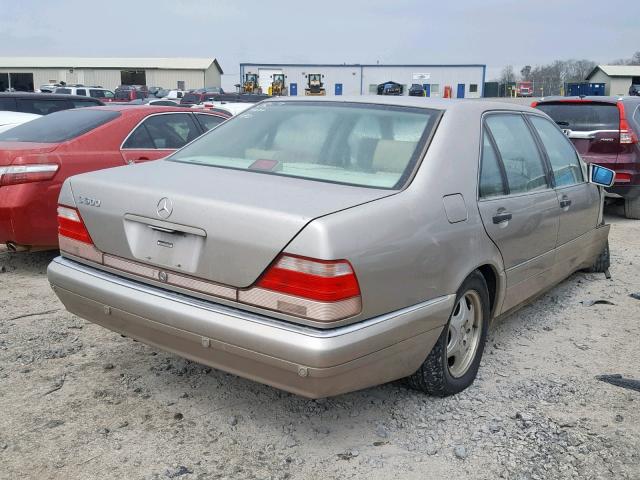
(59,126)
(191,98)
(351,143)
(122,95)
(583,116)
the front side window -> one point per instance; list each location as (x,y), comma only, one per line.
(59,126)
(491,179)
(358,144)
(563,158)
(522,162)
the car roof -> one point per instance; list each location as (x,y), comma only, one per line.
(57,96)
(468,104)
(144,109)
(612,99)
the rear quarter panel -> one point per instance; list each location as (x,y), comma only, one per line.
(403,248)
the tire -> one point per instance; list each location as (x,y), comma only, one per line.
(442,374)
(632,208)
(603,262)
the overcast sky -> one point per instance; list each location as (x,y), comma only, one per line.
(491,32)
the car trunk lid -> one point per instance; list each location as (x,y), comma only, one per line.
(217,224)
(592,126)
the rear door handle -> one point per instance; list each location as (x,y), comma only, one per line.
(502,217)
(565,202)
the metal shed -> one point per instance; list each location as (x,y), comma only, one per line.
(28,73)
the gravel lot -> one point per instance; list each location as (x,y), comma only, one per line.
(80,402)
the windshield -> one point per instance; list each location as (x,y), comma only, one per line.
(583,116)
(351,143)
(59,126)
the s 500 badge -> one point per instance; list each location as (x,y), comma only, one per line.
(92,202)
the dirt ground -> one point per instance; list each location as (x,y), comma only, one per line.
(80,402)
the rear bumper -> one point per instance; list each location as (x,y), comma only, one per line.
(309,362)
(629,192)
(28,214)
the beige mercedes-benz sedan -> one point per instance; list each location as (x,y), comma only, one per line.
(324,246)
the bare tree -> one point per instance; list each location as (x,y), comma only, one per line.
(525,73)
(508,75)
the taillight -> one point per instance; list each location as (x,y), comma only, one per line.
(623,177)
(73,235)
(17,174)
(322,290)
(327,281)
(627,135)
(534,104)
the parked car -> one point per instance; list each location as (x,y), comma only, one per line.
(327,246)
(605,130)
(200,95)
(103,94)
(417,90)
(154,101)
(153,91)
(230,108)
(390,88)
(126,93)
(43,103)
(35,158)
(173,94)
(48,88)
(13,119)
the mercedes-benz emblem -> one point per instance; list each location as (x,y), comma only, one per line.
(162,276)
(165,208)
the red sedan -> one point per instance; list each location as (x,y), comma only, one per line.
(36,158)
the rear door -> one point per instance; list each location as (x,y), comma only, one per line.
(593,127)
(518,205)
(159,135)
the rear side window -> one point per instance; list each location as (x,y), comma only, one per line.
(209,121)
(522,162)
(169,131)
(562,156)
(41,106)
(100,94)
(122,95)
(65,91)
(491,179)
(583,116)
(59,127)
(81,91)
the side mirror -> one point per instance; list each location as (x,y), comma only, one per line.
(600,175)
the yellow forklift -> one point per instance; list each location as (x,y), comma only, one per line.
(250,84)
(278,87)
(315,86)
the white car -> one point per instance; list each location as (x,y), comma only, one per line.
(234,108)
(100,93)
(9,120)
(174,95)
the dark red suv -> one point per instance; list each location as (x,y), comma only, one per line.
(605,130)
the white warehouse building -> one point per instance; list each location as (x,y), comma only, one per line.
(465,81)
(28,73)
